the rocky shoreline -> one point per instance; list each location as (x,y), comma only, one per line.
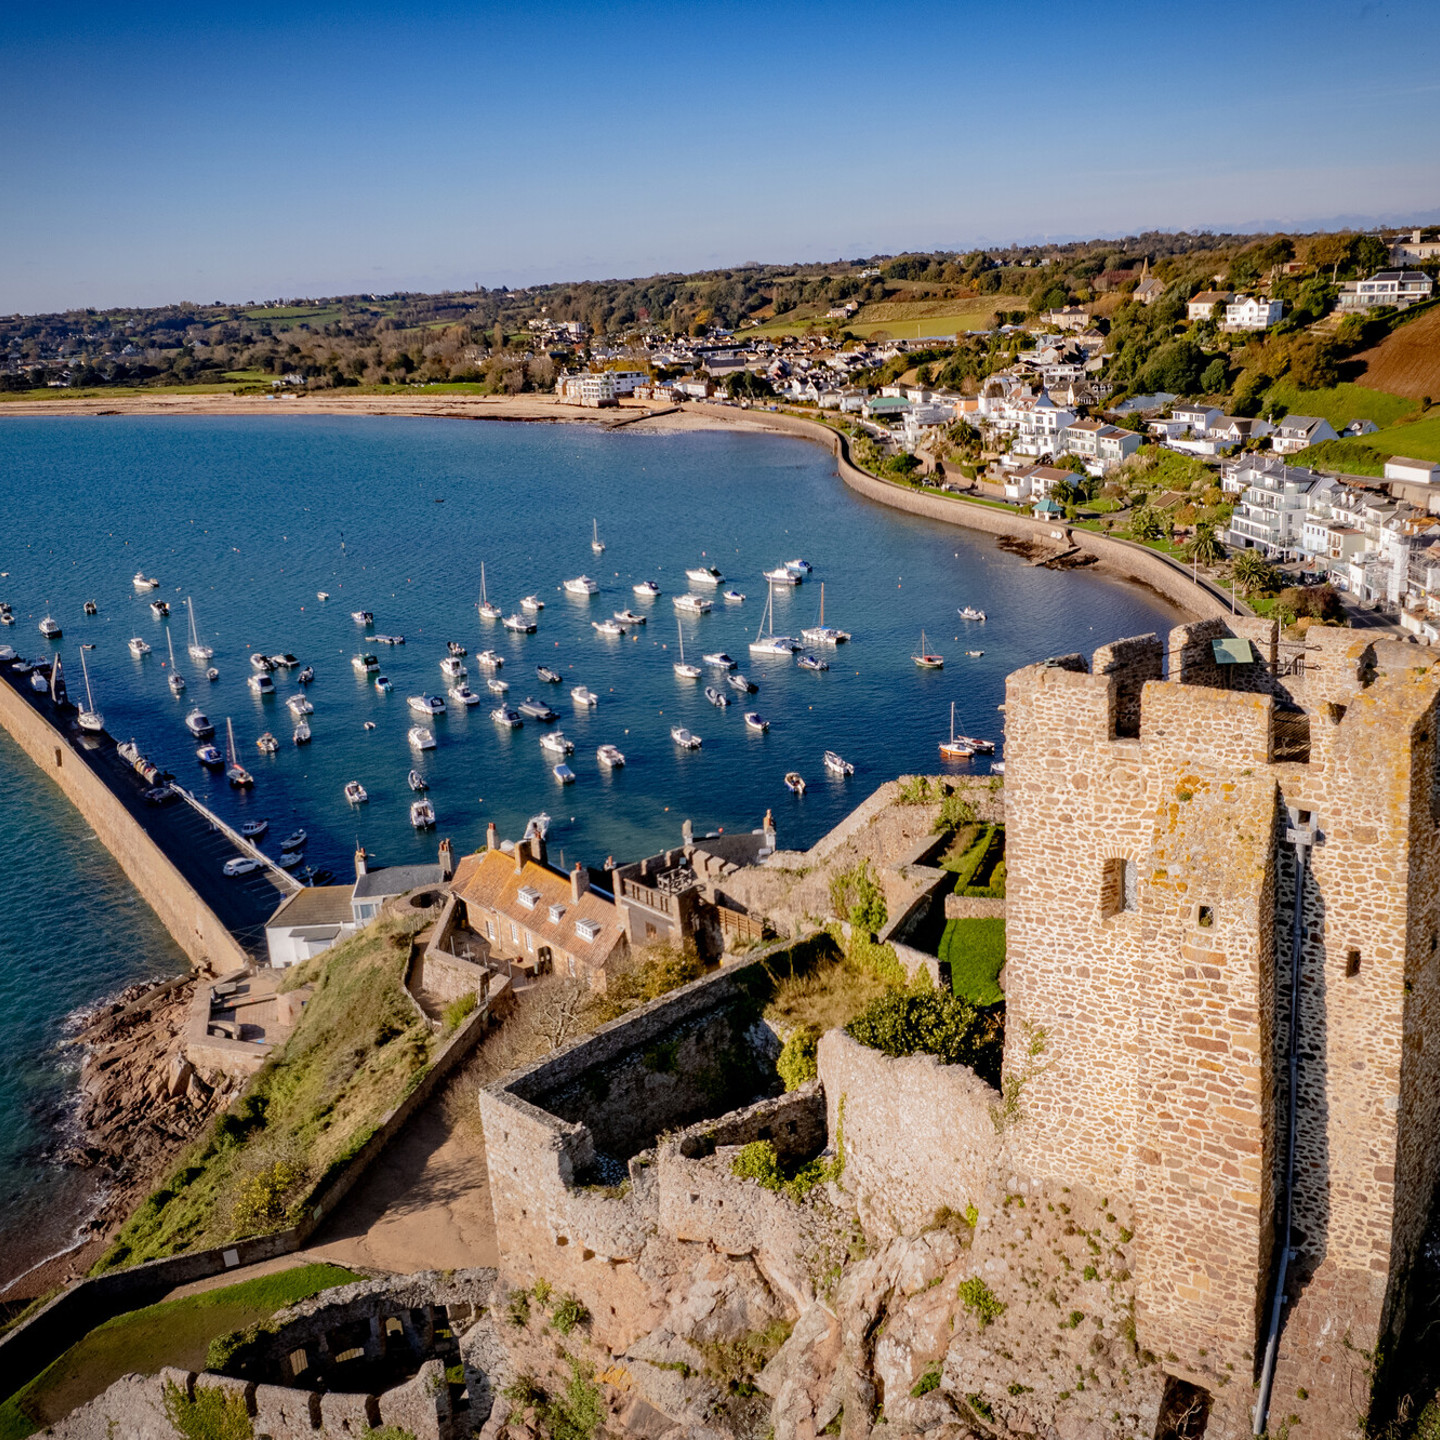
(139,1104)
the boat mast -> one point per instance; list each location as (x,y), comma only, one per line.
(84,670)
(680,630)
(170,646)
(195,638)
(484,598)
(230,731)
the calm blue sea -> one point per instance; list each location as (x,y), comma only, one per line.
(252,517)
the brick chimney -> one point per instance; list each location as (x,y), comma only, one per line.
(447,859)
(769,828)
(360,858)
(522,854)
(579,881)
(492,837)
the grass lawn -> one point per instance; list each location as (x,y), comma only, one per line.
(975,952)
(174,1332)
(358,1050)
(1418,439)
(118,392)
(286,317)
(951,322)
(1341,404)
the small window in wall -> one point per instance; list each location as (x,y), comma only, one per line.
(571,960)
(1204,917)
(490,928)
(1119,886)
(529,942)
(514,933)
(299,1363)
(1352,964)
(1184,1411)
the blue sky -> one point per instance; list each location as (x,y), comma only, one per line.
(164,151)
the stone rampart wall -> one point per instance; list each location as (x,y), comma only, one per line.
(195,926)
(917,1135)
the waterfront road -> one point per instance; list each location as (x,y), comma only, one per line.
(193,846)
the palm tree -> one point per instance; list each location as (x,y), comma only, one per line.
(1205,548)
(1253,571)
(1147,523)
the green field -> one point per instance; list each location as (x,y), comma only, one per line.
(1341,404)
(975,952)
(1419,440)
(286,317)
(174,1332)
(950,323)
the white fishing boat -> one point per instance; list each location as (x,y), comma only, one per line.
(488,609)
(608,627)
(140,581)
(301,735)
(90,718)
(581,585)
(609,757)
(820,633)
(462,694)
(267,744)
(646,589)
(261,685)
(90,608)
(741,683)
(974,654)
(684,671)
(355,792)
(235,772)
(685,739)
(453,668)
(956,747)
(174,679)
(582,695)
(801,567)
(295,840)
(628,617)
(836,765)
(693,604)
(766,641)
(506,718)
(422,815)
(383,685)
(596,543)
(392,640)
(704,575)
(420,737)
(160,608)
(489,660)
(717,698)
(969,612)
(781,576)
(289,859)
(50,628)
(520,624)
(549,676)
(426,704)
(812,662)
(998,768)
(210,757)
(363,617)
(299,705)
(926,661)
(720,658)
(734,597)
(454,647)
(306,675)
(794,782)
(557,743)
(531,604)
(496,686)
(755,721)
(537,709)
(564,774)
(40,681)
(7,653)
(417,782)
(322,594)
(212,674)
(197,650)
(260,662)
(365,664)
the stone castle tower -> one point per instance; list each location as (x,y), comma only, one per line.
(1155,830)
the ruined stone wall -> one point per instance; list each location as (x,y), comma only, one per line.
(917,1136)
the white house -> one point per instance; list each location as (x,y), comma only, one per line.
(1414,472)
(1197,418)
(1414,248)
(1246,312)
(593,389)
(1298,432)
(1400,288)
(1202,306)
(1104,444)
(1271,511)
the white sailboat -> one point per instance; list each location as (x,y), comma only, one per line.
(684,671)
(488,611)
(957,747)
(174,680)
(90,718)
(235,772)
(596,543)
(766,641)
(197,650)
(820,633)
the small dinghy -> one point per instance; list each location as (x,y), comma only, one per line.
(795,782)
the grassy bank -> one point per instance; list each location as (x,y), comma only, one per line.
(174,1332)
(359,1048)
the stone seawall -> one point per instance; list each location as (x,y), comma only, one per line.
(1133,562)
(195,926)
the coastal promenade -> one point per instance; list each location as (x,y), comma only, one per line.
(170,853)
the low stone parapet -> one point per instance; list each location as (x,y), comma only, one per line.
(973,907)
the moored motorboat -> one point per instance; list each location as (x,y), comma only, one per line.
(198,723)
(716,697)
(704,575)
(608,627)
(210,757)
(489,660)
(454,647)
(836,765)
(720,658)
(974,654)
(739,682)
(734,597)
(628,617)
(581,585)
(212,674)
(794,782)
(355,792)
(610,757)
(557,743)
(970,612)
(299,705)
(254,829)
(306,675)
(160,608)
(755,721)
(812,662)
(302,734)
(383,685)
(507,718)
(50,628)
(801,567)
(140,581)
(648,589)
(685,739)
(497,686)
(564,774)
(422,815)
(295,840)
(365,664)
(426,704)
(531,604)
(692,604)
(520,624)
(267,744)
(90,608)
(363,617)
(322,594)
(389,639)
(417,782)
(462,694)
(289,859)
(537,709)
(781,576)
(261,685)
(582,695)
(549,676)
(453,668)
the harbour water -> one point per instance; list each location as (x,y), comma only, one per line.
(253,517)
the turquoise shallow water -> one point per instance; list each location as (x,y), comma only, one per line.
(254,516)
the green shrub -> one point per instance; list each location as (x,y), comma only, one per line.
(856,896)
(929,1381)
(929,1022)
(568,1314)
(978,1298)
(261,1202)
(734,1364)
(457,1012)
(759,1162)
(955,811)
(213,1414)
(797,1064)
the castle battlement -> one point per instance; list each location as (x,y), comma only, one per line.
(1153,794)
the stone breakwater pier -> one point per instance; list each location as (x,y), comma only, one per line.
(171,853)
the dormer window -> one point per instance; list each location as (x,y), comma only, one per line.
(557,914)
(588,930)
(529,897)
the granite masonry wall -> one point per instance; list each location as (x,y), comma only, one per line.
(1149,915)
